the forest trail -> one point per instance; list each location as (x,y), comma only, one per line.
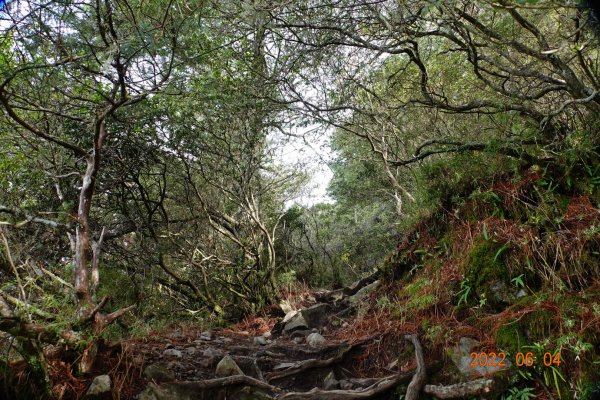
(327,350)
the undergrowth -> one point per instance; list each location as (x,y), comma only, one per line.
(515,264)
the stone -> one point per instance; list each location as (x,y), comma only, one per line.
(227,367)
(209,357)
(260,340)
(315,339)
(295,323)
(285,306)
(191,351)
(289,315)
(158,373)
(363,293)
(317,315)
(461,357)
(298,339)
(172,353)
(100,389)
(284,365)
(206,335)
(267,334)
(330,383)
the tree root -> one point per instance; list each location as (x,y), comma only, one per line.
(418,380)
(314,363)
(378,388)
(477,387)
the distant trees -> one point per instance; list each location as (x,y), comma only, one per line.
(420,79)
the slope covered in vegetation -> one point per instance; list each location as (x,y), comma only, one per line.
(145,182)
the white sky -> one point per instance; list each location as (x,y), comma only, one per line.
(309,151)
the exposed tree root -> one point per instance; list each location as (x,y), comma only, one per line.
(477,387)
(314,363)
(222,383)
(378,388)
(418,380)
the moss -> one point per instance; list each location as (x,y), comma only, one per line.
(509,338)
(486,272)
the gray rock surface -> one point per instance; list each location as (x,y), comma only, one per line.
(315,339)
(209,357)
(317,315)
(206,336)
(289,315)
(260,340)
(285,306)
(461,357)
(227,367)
(158,373)
(172,353)
(297,322)
(100,389)
(363,293)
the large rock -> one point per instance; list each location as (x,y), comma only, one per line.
(100,389)
(317,315)
(289,315)
(297,322)
(285,306)
(461,357)
(315,339)
(227,367)
(158,373)
(363,293)
(172,353)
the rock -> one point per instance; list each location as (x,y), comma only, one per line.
(158,373)
(315,339)
(363,293)
(227,340)
(317,315)
(172,353)
(285,306)
(330,383)
(210,357)
(100,389)
(191,351)
(289,315)
(260,340)
(298,339)
(267,335)
(206,335)
(461,357)
(285,365)
(295,323)
(227,367)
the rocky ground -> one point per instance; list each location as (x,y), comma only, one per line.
(311,353)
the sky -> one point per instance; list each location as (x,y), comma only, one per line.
(307,149)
